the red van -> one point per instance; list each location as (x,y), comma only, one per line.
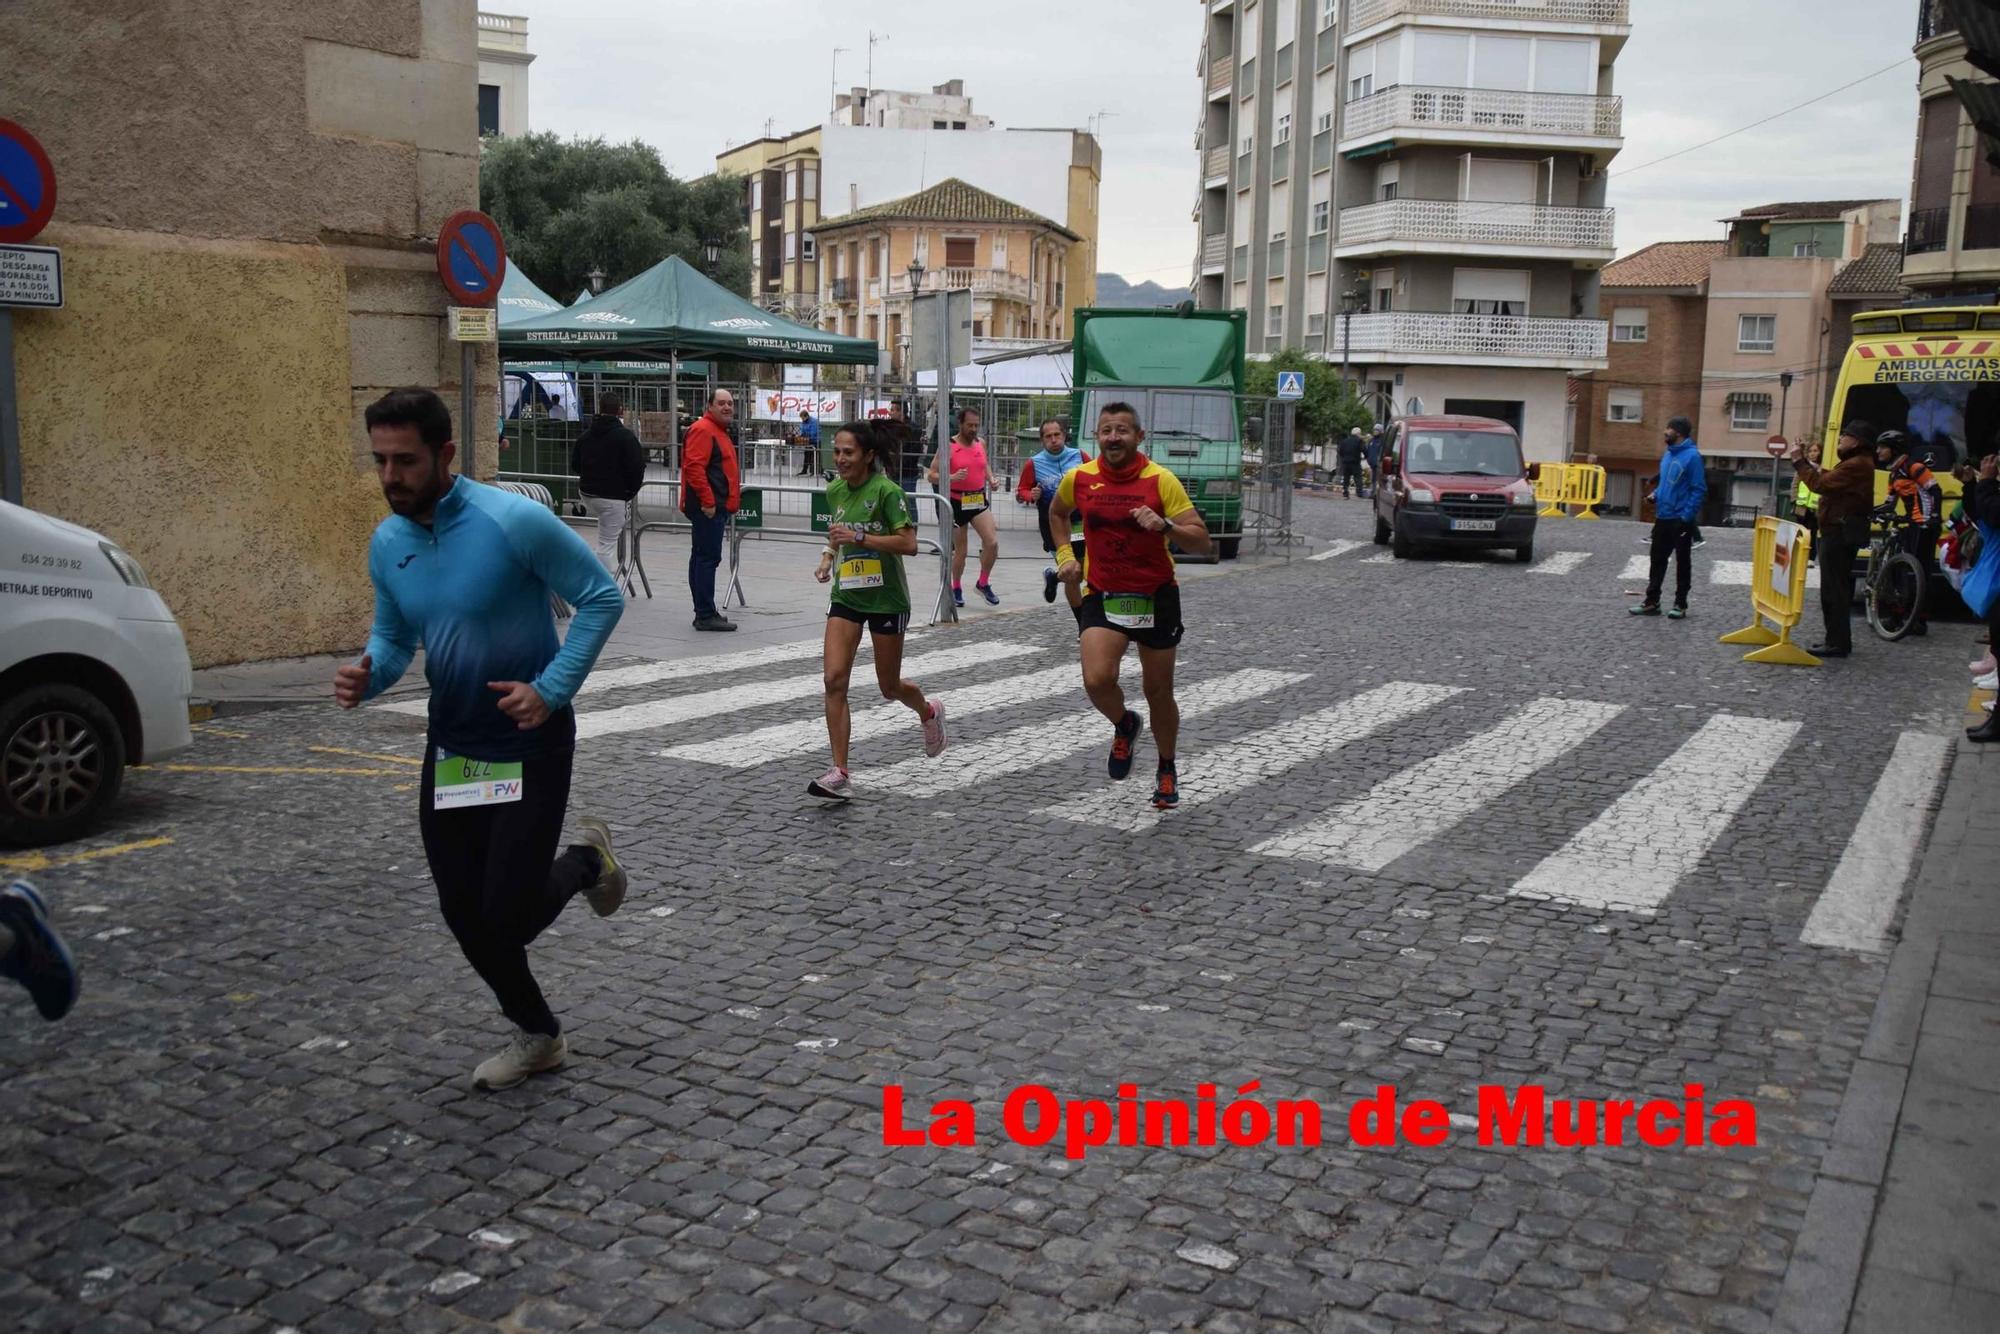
(1455,482)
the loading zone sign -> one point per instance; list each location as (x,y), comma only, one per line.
(31,275)
(1291,384)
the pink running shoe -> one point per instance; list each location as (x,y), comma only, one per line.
(934,731)
(1982,667)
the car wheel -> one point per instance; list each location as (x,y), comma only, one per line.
(1381,532)
(1399,545)
(62,761)
(1525,553)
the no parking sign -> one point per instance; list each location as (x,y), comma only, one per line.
(471,258)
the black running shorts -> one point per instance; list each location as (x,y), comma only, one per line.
(1165,631)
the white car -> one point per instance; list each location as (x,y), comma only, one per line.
(94,675)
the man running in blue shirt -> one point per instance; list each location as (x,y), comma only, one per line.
(1040,476)
(467,570)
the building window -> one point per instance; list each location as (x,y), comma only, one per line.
(791,184)
(1322,213)
(809,183)
(939,125)
(808,248)
(1315,326)
(1274,322)
(1628,324)
(1624,405)
(1750,412)
(1324,123)
(1756,333)
(958,125)
(1805,250)
(1249,144)
(489,108)
(1329,12)
(1285,128)
(791,246)
(1278,238)
(1360,87)
(1489,292)
(757,193)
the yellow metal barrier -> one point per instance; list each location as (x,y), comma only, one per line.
(1583,484)
(1549,485)
(1780,556)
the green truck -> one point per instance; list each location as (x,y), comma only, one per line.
(1183,370)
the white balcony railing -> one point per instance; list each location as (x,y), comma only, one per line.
(1472,222)
(1481,111)
(1517,337)
(1216,164)
(980,282)
(1214,251)
(1365,14)
(503,32)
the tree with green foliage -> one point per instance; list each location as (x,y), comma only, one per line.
(569,207)
(1329,409)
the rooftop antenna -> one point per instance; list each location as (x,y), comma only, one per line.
(873,37)
(833,86)
(770,126)
(1096,122)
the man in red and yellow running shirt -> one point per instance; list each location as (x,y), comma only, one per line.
(1131,509)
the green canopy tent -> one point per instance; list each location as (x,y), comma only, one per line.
(582,296)
(671,311)
(521,300)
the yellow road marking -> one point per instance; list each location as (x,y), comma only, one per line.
(365,755)
(266,769)
(208,730)
(41,861)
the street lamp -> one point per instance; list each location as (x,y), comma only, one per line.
(1784,417)
(596,277)
(1350,301)
(711,254)
(916,272)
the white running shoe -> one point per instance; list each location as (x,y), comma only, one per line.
(609,890)
(833,785)
(934,731)
(528,1054)
(1990,681)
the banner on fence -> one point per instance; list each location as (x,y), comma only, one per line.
(787,404)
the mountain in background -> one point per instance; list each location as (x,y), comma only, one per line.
(1115,291)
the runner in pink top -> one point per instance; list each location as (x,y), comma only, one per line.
(971,506)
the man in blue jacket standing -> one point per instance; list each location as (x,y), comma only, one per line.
(1676,512)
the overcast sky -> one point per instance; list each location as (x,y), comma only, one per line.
(695,78)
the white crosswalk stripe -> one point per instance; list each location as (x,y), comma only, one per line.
(1386,558)
(1225,770)
(1039,743)
(1638,567)
(1339,548)
(1633,855)
(679,669)
(799,685)
(1430,799)
(1854,910)
(1559,562)
(746,750)
(1736,573)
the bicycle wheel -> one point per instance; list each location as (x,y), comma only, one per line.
(1896,596)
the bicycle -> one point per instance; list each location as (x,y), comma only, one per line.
(1896,580)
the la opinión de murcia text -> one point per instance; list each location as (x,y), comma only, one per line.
(1524,1116)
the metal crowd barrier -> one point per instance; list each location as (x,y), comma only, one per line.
(1561,487)
(1781,553)
(540,494)
(631,559)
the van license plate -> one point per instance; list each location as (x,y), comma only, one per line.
(1474,525)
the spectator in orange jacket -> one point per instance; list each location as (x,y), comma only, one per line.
(710,493)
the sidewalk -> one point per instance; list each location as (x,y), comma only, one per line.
(785,605)
(1903,1232)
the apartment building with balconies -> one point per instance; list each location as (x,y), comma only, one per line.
(504,58)
(1013,260)
(1952,247)
(781,195)
(1415,189)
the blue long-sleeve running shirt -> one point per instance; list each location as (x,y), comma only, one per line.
(473,586)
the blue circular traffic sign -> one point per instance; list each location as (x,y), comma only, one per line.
(27,185)
(472,258)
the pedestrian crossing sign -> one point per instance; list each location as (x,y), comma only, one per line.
(1291,384)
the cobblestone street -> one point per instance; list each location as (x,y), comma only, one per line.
(1447,822)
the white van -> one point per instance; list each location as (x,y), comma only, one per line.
(94,675)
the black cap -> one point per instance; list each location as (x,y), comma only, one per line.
(1861,431)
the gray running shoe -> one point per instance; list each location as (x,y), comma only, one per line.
(609,891)
(528,1054)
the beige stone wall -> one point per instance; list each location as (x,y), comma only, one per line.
(249,200)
